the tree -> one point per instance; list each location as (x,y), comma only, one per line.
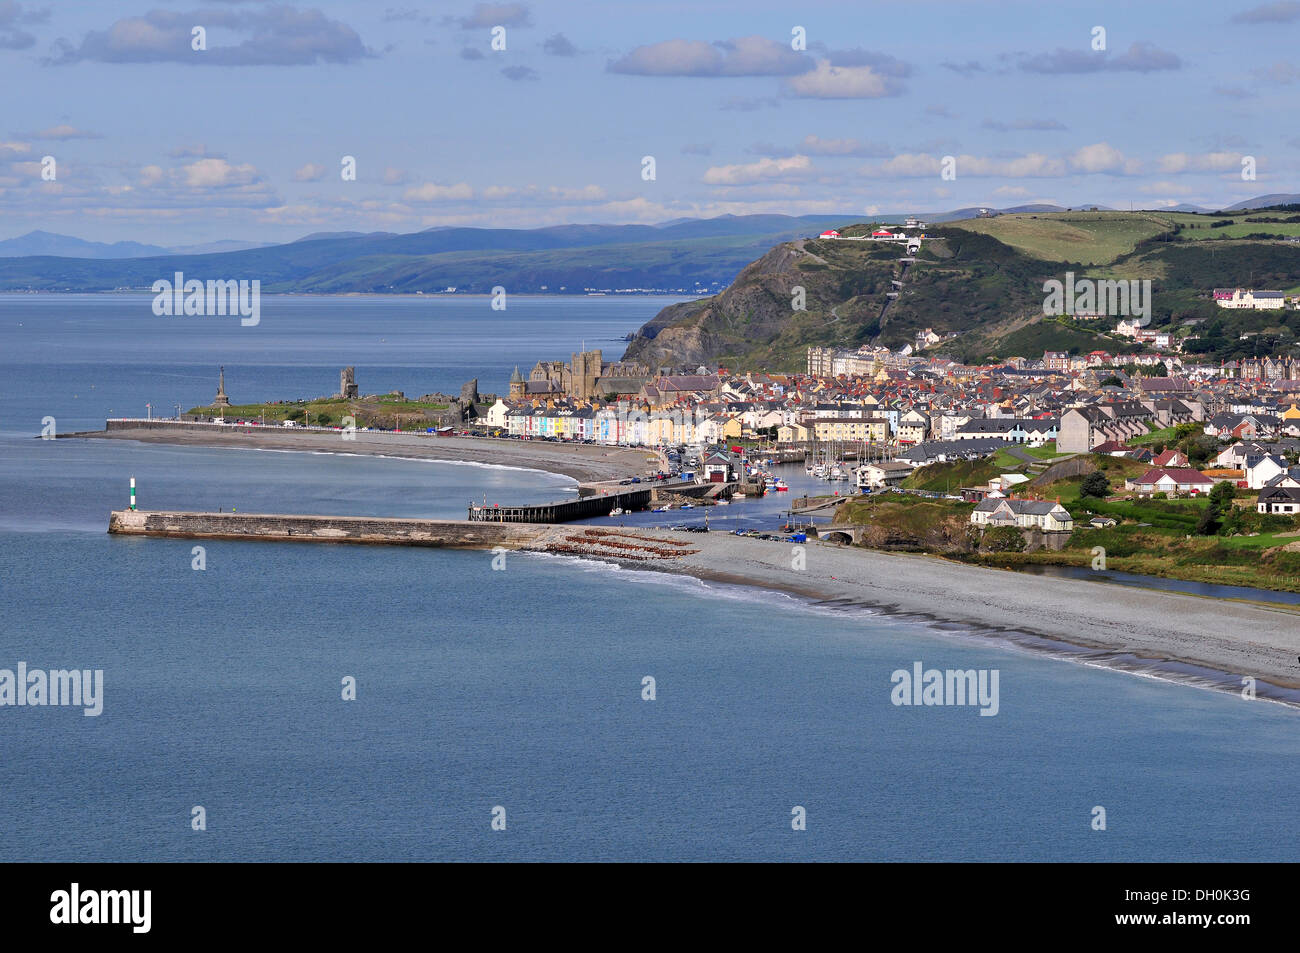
(1220,505)
(1095,484)
(1222,495)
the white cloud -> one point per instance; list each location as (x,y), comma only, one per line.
(746,56)
(762,170)
(843,82)
(1103,157)
(431,192)
(217,173)
(1176,162)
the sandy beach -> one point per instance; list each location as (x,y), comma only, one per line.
(583,462)
(1239,639)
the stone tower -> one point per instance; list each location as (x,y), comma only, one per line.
(517,388)
(469,393)
(586,370)
(221,400)
(348,383)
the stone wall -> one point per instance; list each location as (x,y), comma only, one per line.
(323,529)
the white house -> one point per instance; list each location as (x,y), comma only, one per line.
(496,414)
(1046,515)
(1260,470)
(875,476)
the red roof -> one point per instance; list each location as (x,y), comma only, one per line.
(1180,475)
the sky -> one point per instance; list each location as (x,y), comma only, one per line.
(117,128)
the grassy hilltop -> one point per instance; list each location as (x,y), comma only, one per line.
(983,279)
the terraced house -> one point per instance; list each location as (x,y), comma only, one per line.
(1083,428)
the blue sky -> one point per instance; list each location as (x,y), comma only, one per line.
(157,142)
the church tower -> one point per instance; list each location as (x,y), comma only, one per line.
(517,385)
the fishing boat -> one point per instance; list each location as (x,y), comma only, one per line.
(688,506)
(780,485)
(660,509)
(616,511)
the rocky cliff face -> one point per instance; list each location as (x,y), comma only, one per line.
(854,293)
(756,313)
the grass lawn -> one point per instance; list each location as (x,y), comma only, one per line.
(1047,451)
(1091,238)
(382,411)
(1165,435)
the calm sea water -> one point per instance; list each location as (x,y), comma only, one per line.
(518,688)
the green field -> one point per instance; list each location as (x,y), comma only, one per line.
(384,411)
(1090,238)
(1099,238)
(1242,229)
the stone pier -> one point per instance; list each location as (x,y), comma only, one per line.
(292,528)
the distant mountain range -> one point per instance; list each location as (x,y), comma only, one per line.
(1263,201)
(65,246)
(685,255)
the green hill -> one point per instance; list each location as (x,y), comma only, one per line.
(705,253)
(982,279)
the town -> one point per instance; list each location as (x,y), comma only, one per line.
(872,420)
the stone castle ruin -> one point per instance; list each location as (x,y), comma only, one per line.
(348,384)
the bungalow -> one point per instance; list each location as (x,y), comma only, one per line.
(1282,500)
(1170,480)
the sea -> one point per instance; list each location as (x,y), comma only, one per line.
(287,702)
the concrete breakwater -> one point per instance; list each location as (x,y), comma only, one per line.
(628,546)
(294,528)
